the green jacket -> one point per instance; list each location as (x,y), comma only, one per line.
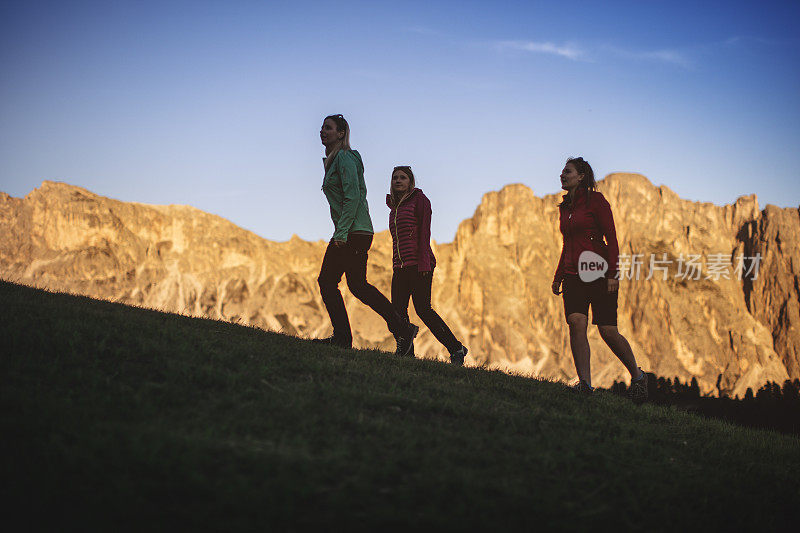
(346,191)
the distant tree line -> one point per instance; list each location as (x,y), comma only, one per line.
(772,407)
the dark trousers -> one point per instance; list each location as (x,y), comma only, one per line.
(408,282)
(351,260)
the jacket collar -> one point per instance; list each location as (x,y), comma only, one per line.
(409,195)
(581,196)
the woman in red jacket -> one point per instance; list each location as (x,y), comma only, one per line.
(585,219)
(412,257)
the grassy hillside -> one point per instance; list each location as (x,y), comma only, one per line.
(122,417)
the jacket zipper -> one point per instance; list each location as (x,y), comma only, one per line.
(572,235)
(397,231)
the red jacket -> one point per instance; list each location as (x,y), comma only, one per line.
(583,226)
(410,226)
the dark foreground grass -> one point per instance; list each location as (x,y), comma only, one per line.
(122,418)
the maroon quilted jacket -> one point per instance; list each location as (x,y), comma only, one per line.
(410,226)
(583,226)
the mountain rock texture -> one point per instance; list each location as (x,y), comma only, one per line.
(492,283)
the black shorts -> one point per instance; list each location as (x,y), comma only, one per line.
(578,295)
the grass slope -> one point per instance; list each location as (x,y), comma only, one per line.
(120,417)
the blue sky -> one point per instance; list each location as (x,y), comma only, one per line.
(218,104)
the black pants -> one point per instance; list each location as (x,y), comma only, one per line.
(408,282)
(351,260)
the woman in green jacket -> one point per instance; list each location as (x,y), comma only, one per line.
(347,251)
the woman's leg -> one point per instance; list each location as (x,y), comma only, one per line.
(576,310)
(330,274)
(621,348)
(401,291)
(580,345)
(421,293)
(356,272)
(604,315)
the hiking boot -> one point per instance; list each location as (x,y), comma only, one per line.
(638,390)
(405,342)
(333,341)
(457,357)
(582,387)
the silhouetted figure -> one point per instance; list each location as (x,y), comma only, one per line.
(347,252)
(412,257)
(585,220)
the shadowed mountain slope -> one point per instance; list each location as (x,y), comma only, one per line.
(124,419)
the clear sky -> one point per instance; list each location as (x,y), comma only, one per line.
(219,104)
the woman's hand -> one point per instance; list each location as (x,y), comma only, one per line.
(556,287)
(613,284)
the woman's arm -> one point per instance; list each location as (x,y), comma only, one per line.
(559,275)
(605,218)
(348,172)
(424,213)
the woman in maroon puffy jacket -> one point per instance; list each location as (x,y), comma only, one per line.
(585,221)
(412,257)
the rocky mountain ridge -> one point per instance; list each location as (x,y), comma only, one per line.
(492,283)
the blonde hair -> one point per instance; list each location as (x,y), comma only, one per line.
(344,144)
